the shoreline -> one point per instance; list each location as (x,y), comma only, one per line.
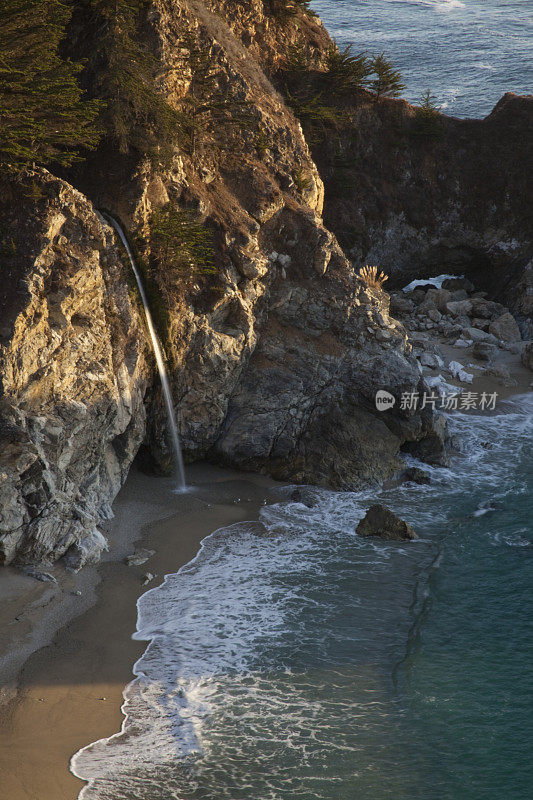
(69,656)
(83,653)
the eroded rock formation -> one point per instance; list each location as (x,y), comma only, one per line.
(276,358)
(73,372)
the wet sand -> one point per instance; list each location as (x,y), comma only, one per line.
(70,690)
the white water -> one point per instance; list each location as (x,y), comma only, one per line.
(301,661)
(172,424)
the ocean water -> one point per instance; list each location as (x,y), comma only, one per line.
(467,52)
(294,659)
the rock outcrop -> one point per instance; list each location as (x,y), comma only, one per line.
(381,521)
(275,359)
(451,201)
(73,372)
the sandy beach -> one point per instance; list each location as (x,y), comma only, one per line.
(72,685)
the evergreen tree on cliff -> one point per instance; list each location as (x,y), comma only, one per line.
(120,70)
(43,118)
(388,81)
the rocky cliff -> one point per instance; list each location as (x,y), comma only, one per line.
(275,357)
(73,372)
(453,197)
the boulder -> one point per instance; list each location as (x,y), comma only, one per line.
(453,284)
(381,521)
(138,557)
(304,497)
(505,329)
(436,299)
(486,309)
(477,335)
(416,475)
(527,356)
(431,360)
(434,315)
(399,304)
(459,308)
(484,351)
(481,324)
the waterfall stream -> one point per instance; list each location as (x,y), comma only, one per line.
(172,424)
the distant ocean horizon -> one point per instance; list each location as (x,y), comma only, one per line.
(468,53)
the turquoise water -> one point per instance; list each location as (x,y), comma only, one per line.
(467,52)
(300,661)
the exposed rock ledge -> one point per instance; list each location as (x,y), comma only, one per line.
(73,373)
(73,357)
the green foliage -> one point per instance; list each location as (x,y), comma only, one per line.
(120,71)
(302,180)
(298,59)
(427,121)
(284,10)
(345,71)
(312,109)
(388,81)
(43,117)
(180,243)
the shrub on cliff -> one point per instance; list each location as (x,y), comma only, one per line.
(346,72)
(180,243)
(388,81)
(427,119)
(119,70)
(44,118)
(283,10)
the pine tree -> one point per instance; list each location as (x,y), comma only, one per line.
(347,72)
(120,70)
(388,81)
(43,118)
(180,242)
(427,119)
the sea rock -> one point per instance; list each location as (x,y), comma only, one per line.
(505,329)
(416,475)
(44,577)
(301,496)
(484,351)
(454,209)
(139,557)
(381,521)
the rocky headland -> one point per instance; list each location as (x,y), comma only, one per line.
(275,347)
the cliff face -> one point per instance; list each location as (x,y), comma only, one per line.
(274,360)
(279,347)
(455,200)
(73,372)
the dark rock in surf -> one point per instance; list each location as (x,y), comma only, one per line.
(381,521)
(299,496)
(416,475)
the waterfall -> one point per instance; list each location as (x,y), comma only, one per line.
(172,424)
